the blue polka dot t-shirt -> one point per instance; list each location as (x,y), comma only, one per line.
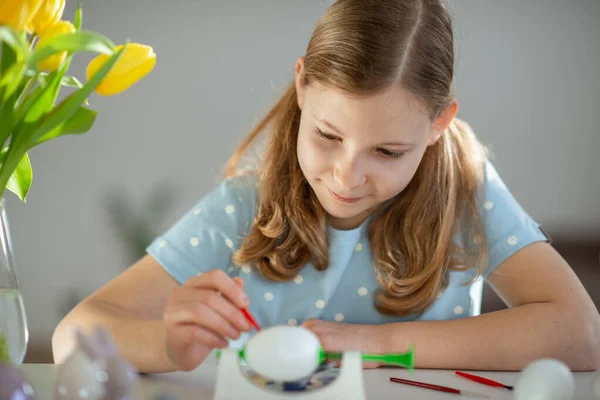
(206,237)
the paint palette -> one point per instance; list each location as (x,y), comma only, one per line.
(324,375)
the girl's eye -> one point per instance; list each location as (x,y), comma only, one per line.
(326,136)
(390,154)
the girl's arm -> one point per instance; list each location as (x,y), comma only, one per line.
(551,315)
(131,308)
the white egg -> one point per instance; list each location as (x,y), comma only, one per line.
(283,352)
(545,379)
(596,385)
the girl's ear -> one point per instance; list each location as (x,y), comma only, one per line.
(300,81)
(442,122)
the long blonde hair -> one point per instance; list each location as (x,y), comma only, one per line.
(362,47)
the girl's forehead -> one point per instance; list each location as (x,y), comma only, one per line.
(391,110)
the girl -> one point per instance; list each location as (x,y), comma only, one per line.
(373,220)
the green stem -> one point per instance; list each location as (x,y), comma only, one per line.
(4,353)
(26,91)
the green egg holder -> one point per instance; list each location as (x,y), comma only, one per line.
(405,360)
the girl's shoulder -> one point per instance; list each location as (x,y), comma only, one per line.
(236,196)
(206,236)
(508,227)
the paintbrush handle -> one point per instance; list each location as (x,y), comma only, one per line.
(439,388)
(482,380)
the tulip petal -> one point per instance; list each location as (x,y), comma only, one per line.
(53,62)
(138,61)
(18,13)
(48,15)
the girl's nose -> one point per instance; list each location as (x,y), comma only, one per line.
(349,175)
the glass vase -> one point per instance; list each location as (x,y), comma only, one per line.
(14,334)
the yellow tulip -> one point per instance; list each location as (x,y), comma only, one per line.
(48,15)
(136,61)
(18,13)
(54,61)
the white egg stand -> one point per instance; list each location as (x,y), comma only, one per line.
(232,384)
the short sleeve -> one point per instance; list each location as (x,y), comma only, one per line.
(208,234)
(507,226)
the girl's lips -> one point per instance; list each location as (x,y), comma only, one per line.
(343,199)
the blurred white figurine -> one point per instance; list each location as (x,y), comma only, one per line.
(95,371)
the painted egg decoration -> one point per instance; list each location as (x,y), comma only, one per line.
(283,353)
(545,379)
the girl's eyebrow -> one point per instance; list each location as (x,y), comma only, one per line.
(335,129)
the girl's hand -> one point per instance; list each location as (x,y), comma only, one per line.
(201,314)
(336,337)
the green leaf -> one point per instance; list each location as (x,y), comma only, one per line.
(12,79)
(29,102)
(73,42)
(43,97)
(18,43)
(8,57)
(69,81)
(79,123)
(20,180)
(78,18)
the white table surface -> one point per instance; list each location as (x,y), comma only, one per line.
(199,384)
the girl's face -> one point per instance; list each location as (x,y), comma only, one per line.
(358,152)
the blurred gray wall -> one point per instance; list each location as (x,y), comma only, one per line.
(527,81)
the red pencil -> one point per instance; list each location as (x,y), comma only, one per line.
(439,388)
(483,380)
(251,319)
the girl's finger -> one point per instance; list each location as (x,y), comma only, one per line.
(202,315)
(214,300)
(220,281)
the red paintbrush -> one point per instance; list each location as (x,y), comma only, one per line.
(439,388)
(483,380)
(251,319)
